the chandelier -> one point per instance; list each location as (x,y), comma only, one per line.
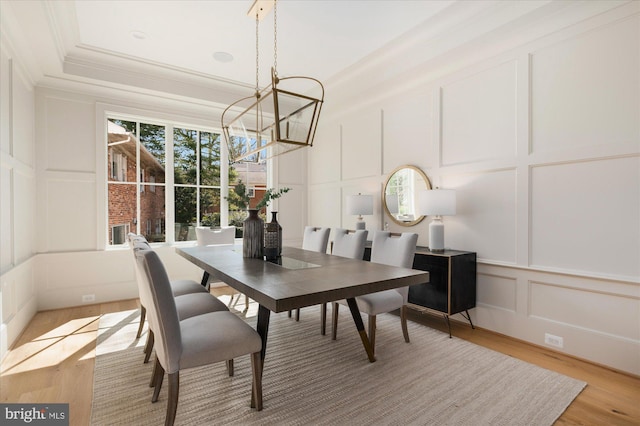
(276,119)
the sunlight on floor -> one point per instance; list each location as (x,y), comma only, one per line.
(73,339)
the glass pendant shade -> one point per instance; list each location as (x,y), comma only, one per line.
(274,121)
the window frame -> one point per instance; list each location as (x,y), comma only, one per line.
(105,112)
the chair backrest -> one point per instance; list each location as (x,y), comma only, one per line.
(207,236)
(315,239)
(349,243)
(395,250)
(162,311)
(137,243)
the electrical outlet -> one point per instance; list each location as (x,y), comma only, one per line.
(88,298)
(552,340)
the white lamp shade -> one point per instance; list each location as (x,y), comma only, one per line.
(438,202)
(360,204)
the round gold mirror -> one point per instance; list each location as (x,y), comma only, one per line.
(400,196)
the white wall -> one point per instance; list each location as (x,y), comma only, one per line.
(540,137)
(18,197)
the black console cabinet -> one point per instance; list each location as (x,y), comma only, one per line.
(452,282)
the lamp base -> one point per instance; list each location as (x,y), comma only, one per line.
(436,235)
(360,225)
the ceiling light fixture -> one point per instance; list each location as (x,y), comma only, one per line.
(278,118)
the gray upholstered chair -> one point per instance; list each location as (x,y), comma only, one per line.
(223,236)
(349,244)
(178,287)
(314,239)
(193,342)
(388,249)
(195,302)
(208,236)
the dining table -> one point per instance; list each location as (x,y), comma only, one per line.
(299,278)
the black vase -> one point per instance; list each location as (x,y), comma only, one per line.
(272,238)
(253,235)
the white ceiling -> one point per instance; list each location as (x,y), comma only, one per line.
(317,38)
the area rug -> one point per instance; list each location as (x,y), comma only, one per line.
(310,379)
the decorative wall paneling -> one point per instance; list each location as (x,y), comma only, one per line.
(18,197)
(541,140)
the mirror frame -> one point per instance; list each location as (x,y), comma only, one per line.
(384,194)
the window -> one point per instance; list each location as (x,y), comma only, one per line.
(152,163)
(196,168)
(118,165)
(136,159)
(119,233)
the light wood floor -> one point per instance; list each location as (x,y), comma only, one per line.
(53,362)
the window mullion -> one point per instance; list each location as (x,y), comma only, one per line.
(170,188)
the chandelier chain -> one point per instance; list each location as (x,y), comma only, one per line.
(257,56)
(275,38)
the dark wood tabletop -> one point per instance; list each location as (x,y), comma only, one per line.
(325,278)
(303,278)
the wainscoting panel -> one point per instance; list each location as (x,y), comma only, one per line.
(497,292)
(485,220)
(325,207)
(486,103)
(24,214)
(406,120)
(70,212)
(568,77)
(17,301)
(23,133)
(361,137)
(108,275)
(591,204)
(6,217)
(63,118)
(6,71)
(596,311)
(323,167)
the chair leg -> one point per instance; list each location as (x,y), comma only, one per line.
(149,346)
(372,333)
(246,303)
(172,403)
(256,387)
(157,370)
(158,377)
(298,314)
(403,322)
(323,319)
(334,322)
(230,367)
(290,313)
(143,315)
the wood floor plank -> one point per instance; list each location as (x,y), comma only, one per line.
(54,359)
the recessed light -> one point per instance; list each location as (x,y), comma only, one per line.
(139,35)
(223,57)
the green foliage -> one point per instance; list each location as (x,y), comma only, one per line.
(238,198)
(271,194)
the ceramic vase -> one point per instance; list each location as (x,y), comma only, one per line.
(253,235)
(272,238)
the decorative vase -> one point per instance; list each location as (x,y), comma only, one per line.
(272,238)
(253,235)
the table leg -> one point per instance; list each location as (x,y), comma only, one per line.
(262,327)
(357,319)
(205,279)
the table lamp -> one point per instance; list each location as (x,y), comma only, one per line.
(437,203)
(360,205)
